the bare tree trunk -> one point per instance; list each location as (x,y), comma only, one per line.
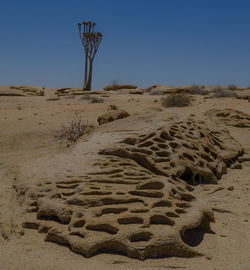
(86,73)
(88,86)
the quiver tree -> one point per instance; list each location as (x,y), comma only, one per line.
(91,41)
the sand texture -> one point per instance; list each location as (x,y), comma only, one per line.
(162,188)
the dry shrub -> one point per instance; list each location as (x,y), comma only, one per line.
(221,92)
(176,100)
(232,87)
(119,86)
(92,99)
(113,107)
(96,100)
(74,130)
(197,90)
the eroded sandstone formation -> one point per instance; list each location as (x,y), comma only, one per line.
(138,200)
(230,117)
(111,116)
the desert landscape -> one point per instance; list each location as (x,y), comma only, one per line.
(125,178)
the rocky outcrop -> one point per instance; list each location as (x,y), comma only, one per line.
(119,86)
(21,91)
(230,117)
(112,116)
(138,200)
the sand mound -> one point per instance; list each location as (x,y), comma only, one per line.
(230,117)
(137,200)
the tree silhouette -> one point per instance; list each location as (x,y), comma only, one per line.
(91,41)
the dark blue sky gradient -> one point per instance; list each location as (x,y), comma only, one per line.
(170,42)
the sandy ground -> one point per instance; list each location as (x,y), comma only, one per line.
(30,151)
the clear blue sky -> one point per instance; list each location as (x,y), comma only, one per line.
(146,42)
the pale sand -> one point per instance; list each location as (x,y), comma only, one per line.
(30,152)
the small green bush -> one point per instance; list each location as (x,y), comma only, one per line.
(176,100)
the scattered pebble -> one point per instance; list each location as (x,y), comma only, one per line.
(230,188)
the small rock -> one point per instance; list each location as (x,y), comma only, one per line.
(236,166)
(230,188)
(112,116)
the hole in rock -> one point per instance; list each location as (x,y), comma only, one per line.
(187,197)
(161,220)
(130,141)
(146,193)
(114,210)
(158,140)
(52,218)
(172,164)
(152,185)
(162,204)
(79,234)
(180,211)
(154,148)
(171,214)
(79,223)
(194,237)
(186,155)
(130,220)
(165,136)
(173,145)
(102,228)
(141,237)
(202,134)
(139,211)
(163,146)
(162,154)
(142,151)
(183,205)
(187,176)
(172,133)
(146,144)
(214,155)
(147,137)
